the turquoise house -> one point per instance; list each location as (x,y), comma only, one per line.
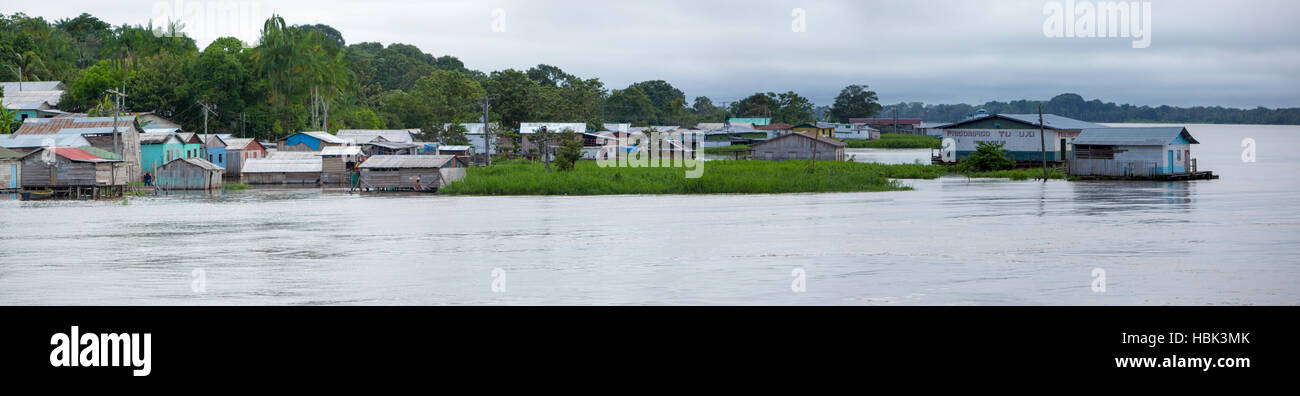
(1133,152)
(157,149)
(214,150)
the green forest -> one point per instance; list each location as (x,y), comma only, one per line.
(308,77)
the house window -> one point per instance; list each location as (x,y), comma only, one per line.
(221,158)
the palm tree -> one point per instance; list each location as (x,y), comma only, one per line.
(29,66)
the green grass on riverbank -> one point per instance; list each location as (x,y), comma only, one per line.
(896,141)
(234,186)
(719,177)
(1016,174)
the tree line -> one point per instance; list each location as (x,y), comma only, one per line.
(307,77)
(1074,106)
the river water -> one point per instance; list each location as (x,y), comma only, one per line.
(1233,241)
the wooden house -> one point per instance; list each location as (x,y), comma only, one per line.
(1135,152)
(411,172)
(239,151)
(309,141)
(66,167)
(11,163)
(158,148)
(338,163)
(795,146)
(282,171)
(189,174)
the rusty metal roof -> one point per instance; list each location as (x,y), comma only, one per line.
(46,126)
(407,161)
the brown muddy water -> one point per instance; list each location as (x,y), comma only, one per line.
(951,241)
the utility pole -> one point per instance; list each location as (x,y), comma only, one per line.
(1042,141)
(19,72)
(206,109)
(117,108)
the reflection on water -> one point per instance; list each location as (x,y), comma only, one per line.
(950,241)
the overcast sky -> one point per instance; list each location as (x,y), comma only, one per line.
(1240,54)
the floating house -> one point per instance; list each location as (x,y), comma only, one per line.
(411,172)
(11,163)
(157,149)
(239,151)
(821,129)
(189,174)
(97,131)
(1019,134)
(1135,153)
(382,147)
(70,168)
(309,141)
(282,171)
(891,125)
(795,146)
(214,149)
(338,163)
(191,144)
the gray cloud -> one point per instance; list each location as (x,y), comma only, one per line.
(1241,54)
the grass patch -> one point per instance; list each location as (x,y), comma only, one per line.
(234,186)
(897,141)
(720,177)
(727,149)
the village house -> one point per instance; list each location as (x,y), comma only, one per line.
(338,163)
(1134,152)
(411,172)
(11,163)
(32,99)
(66,168)
(310,141)
(527,130)
(282,170)
(379,146)
(774,130)
(796,146)
(890,125)
(214,149)
(477,137)
(157,149)
(821,129)
(239,151)
(96,131)
(189,174)
(1018,133)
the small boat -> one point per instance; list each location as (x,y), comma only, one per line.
(36,195)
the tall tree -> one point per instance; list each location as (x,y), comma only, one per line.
(854,101)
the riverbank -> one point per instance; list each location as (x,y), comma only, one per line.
(719,177)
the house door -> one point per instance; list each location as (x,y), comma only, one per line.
(1171,161)
(13,175)
(1062,157)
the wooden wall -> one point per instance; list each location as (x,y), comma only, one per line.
(281,178)
(400,178)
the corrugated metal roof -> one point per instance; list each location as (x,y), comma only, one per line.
(827,140)
(29,141)
(454,148)
(158,138)
(13,86)
(99,152)
(407,161)
(472,128)
(9,154)
(393,146)
(199,162)
(237,143)
(334,151)
(77,155)
(281,165)
(1051,121)
(45,126)
(1132,136)
(326,137)
(392,135)
(293,154)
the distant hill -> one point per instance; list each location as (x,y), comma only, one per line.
(1074,106)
